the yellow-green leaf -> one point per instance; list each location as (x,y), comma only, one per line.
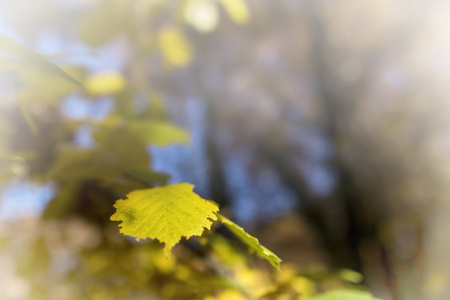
(351,276)
(251,242)
(174,46)
(159,133)
(165,213)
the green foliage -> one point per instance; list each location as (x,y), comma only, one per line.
(165,213)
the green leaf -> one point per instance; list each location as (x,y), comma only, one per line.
(130,152)
(62,203)
(159,133)
(251,242)
(145,175)
(165,213)
(73,164)
(346,294)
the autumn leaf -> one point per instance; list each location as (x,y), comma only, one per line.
(165,213)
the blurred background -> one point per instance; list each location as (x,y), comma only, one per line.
(319,126)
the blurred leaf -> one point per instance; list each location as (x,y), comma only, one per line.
(47,89)
(345,294)
(303,286)
(4,241)
(156,107)
(251,242)
(165,213)
(143,174)
(165,265)
(230,294)
(73,164)
(27,117)
(34,259)
(129,152)
(105,83)
(6,63)
(174,46)
(15,50)
(437,283)
(203,15)
(237,10)
(351,276)
(107,20)
(159,133)
(225,250)
(63,202)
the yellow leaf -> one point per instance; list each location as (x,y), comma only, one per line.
(237,10)
(174,46)
(165,213)
(105,83)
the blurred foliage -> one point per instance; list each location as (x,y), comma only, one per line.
(74,251)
